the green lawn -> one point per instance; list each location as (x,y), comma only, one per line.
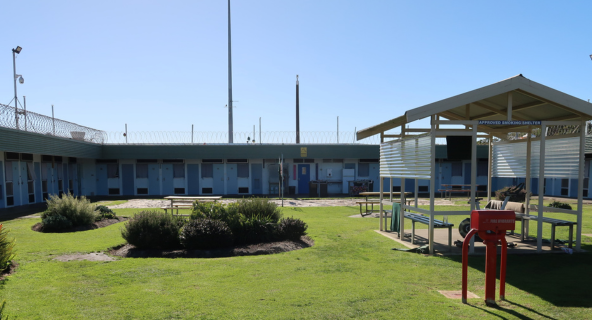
(351,272)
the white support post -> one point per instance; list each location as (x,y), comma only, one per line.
(432,184)
(381,198)
(541,187)
(402,213)
(524,233)
(473,167)
(489,168)
(391,190)
(416,193)
(581,184)
(510,106)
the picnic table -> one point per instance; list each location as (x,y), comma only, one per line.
(187,202)
(373,202)
(450,188)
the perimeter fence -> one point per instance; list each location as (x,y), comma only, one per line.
(38,123)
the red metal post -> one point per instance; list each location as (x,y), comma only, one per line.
(465,263)
(503,267)
(490,270)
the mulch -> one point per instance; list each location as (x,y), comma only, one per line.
(129,251)
(99,224)
(8,271)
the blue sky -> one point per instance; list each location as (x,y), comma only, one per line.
(162,66)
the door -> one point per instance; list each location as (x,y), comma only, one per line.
(2,202)
(374,175)
(17,182)
(66,178)
(167,179)
(231,179)
(154,179)
(467,173)
(218,177)
(193,179)
(257,176)
(303,178)
(127,179)
(38,182)
(102,185)
(73,178)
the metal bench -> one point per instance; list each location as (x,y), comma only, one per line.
(554,223)
(371,203)
(414,217)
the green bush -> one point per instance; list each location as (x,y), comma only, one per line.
(260,207)
(228,213)
(153,229)
(104,213)
(78,210)
(255,229)
(291,229)
(206,234)
(56,223)
(560,205)
(7,252)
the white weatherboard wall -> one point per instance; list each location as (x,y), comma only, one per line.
(561,158)
(406,158)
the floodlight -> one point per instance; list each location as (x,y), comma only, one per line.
(18,49)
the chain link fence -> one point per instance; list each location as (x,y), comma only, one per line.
(268,137)
(38,123)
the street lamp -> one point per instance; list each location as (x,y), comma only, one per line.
(16,51)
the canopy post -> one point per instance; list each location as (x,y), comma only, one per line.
(489,168)
(582,163)
(402,213)
(541,187)
(381,198)
(432,183)
(473,167)
(528,178)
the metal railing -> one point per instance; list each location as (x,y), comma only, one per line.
(38,123)
(268,137)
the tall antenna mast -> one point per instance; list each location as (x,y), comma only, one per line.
(230,125)
(297,112)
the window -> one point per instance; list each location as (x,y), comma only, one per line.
(482,168)
(564,187)
(363,169)
(457,169)
(31,171)
(179,190)
(8,170)
(179,171)
(243,190)
(112,171)
(242,170)
(206,190)
(207,170)
(141,170)
(113,191)
(142,191)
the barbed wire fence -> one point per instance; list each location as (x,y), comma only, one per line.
(38,123)
(219,137)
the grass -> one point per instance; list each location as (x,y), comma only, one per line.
(351,272)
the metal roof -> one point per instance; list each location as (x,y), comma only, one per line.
(530,101)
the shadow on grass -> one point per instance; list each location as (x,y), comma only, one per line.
(510,312)
(560,279)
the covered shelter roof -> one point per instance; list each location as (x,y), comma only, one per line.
(530,101)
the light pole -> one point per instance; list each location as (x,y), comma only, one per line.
(16,51)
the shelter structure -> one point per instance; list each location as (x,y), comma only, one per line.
(520,120)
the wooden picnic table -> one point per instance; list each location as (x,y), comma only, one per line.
(450,188)
(183,200)
(367,194)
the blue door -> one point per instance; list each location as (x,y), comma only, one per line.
(257,176)
(167,179)
(56,177)
(218,175)
(387,185)
(66,179)
(231,179)
(102,188)
(373,174)
(153,179)
(193,179)
(467,173)
(73,174)
(127,179)
(303,178)
(38,191)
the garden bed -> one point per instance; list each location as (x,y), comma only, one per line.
(129,251)
(99,224)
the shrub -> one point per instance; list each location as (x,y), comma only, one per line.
(7,252)
(206,234)
(228,214)
(56,223)
(260,207)
(78,210)
(560,205)
(291,229)
(255,229)
(104,213)
(519,197)
(153,229)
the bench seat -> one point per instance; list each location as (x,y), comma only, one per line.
(553,222)
(414,217)
(177,206)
